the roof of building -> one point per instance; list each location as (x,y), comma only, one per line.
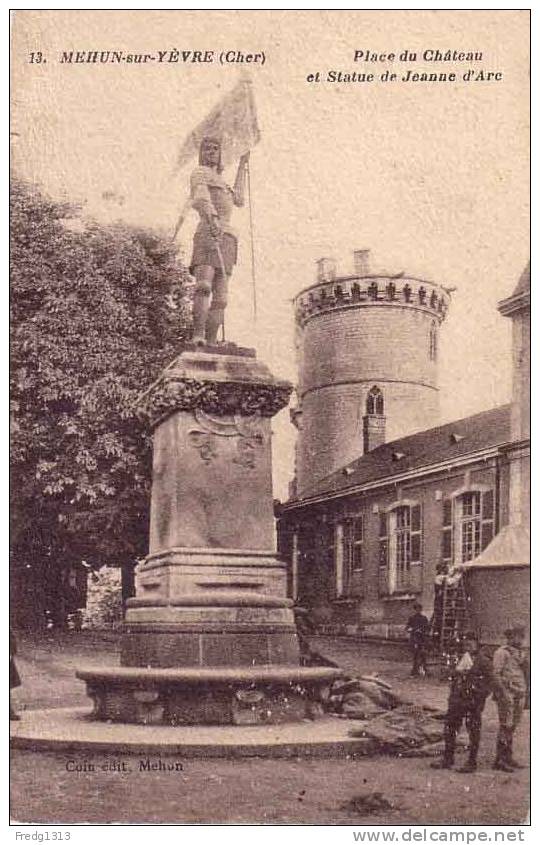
(520,299)
(435,445)
(524,283)
(510,547)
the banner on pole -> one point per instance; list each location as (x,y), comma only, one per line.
(233,120)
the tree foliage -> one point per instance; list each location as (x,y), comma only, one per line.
(96,312)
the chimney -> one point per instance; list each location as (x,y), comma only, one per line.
(374,432)
(326,269)
(361,262)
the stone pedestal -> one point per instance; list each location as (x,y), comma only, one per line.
(211,595)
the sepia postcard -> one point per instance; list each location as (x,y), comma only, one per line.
(270,420)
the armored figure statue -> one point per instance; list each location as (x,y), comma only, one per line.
(215,243)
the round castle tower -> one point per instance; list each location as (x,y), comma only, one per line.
(367,363)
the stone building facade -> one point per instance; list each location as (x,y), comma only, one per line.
(368,541)
(366,535)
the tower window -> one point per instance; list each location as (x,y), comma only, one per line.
(433,342)
(375,402)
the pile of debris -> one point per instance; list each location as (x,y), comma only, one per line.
(361,698)
(406,731)
(395,725)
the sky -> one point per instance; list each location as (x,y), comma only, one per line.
(433,178)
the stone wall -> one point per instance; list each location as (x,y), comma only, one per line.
(332,428)
(352,341)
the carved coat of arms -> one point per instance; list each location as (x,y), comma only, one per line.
(249,432)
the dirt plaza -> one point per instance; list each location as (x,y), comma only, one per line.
(76,788)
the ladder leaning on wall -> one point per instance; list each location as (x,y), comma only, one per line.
(450,618)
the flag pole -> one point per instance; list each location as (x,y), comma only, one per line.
(253,276)
(181,218)
(246,78)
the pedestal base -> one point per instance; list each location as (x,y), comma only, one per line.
(169,648)
(212,628)
(72,730)
(210,636)
(211,696)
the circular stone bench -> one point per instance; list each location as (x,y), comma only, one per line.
(243,695)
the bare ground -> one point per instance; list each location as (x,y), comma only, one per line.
(254,790)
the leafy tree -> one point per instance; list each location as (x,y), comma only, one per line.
(96,312)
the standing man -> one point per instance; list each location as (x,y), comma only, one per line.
(510,667)
(215,244)
(14,678)
(470,685)
(305,629)
(418,630)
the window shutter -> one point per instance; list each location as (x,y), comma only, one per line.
(447,545)
(416,518)
(358,538)
(341,566)
(329,540)
(416,568)
(383,556)
(357,557)
(487,505)
(487,519)
(447,513)
(487,534)
(446,536)
(416,533)
(348,555)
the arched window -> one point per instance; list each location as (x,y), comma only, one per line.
(400,549)
(433,342)
(375,402)
(468,525)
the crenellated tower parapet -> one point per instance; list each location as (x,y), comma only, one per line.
(368,291)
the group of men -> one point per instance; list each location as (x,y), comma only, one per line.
(474,677)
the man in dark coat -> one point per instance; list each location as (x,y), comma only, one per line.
(14,678)
(470,685)
(305,629)
(418,630)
